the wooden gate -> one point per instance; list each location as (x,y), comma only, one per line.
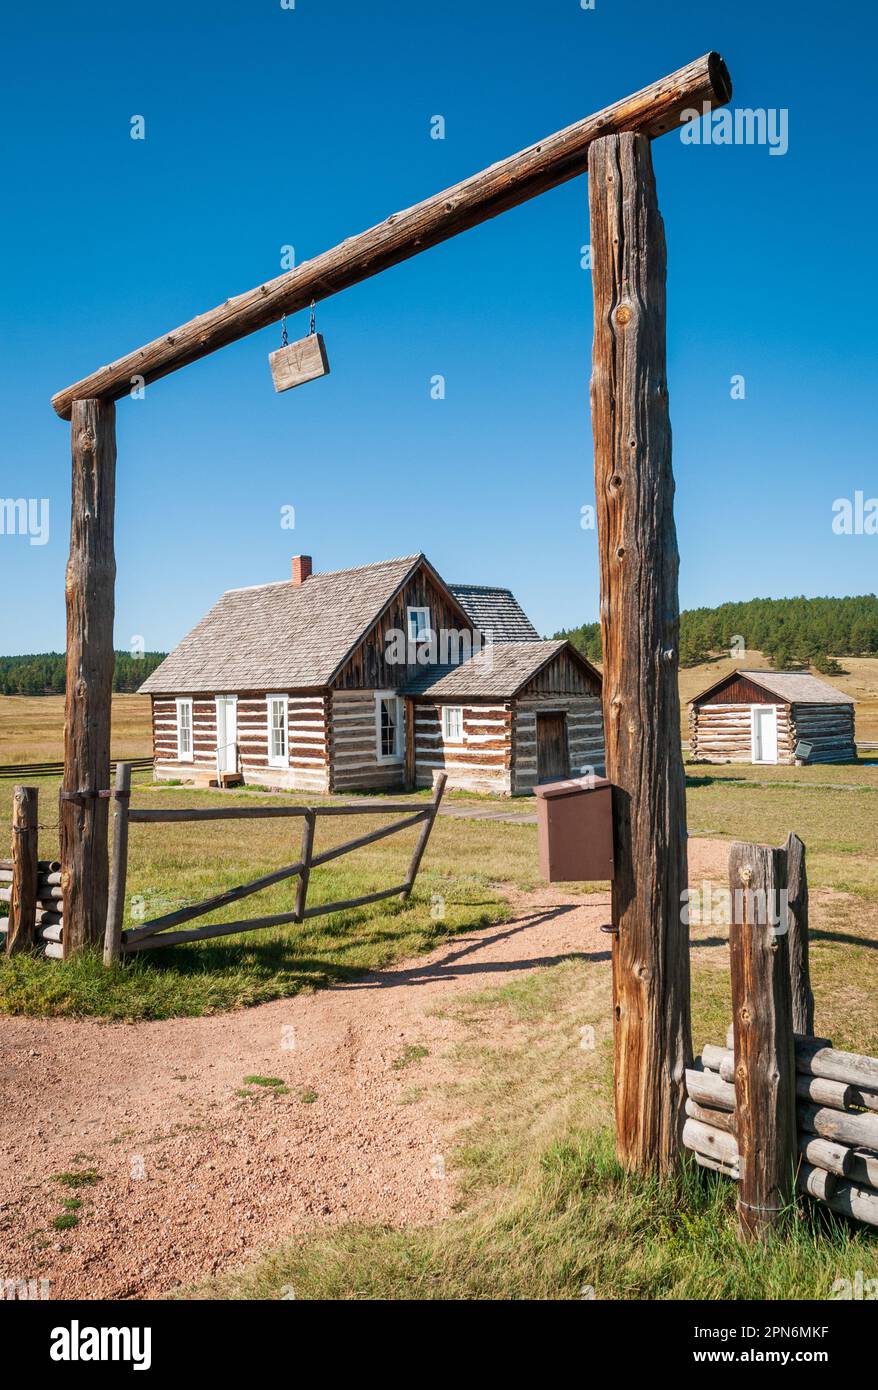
(155,933)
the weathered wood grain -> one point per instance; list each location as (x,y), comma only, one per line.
(654,110)
(708,1115)
(765,1078)
(639,608)
(306,854)
(817,1182)
(119,871)
(845,1126)
(815,1058)
(299,362)
(797,916)
(708,1088)
(21,928)
(91,576)
(823,1153)
(706,1139)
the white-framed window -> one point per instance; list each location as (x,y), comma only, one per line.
(452,723)
(185,752)
(388,726)
(419,625)
(278,730)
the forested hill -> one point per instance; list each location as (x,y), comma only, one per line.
(43,673)
(789,631)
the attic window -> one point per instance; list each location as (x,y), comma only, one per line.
(420,627)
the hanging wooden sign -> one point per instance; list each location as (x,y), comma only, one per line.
(295,363)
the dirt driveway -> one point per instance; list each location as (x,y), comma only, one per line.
(192,1176)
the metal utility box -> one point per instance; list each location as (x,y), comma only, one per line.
(575,824)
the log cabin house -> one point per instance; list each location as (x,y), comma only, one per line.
(771,717)
(375,677)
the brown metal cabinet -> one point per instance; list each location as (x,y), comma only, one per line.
(575,824)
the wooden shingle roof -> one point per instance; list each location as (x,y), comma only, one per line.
(792,687)
(282,636)
(495,611)
(498,671)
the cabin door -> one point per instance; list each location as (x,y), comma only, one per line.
(764,734)
(553,764)
(227,733)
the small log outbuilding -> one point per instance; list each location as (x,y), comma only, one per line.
(771,717)
(375,677)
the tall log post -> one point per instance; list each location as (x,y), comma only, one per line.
(637,542)
(800,972)
(762,1019)
(22,925)
(91,574)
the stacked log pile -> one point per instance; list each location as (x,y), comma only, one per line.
(836,1117)
(49,911)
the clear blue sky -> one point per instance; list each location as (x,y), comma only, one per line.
(265,127)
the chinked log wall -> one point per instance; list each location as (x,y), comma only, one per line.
(828,728)
(307,764)
(354,751)
(482,762)
(585,737)
(724,734)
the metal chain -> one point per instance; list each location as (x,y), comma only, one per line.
(284,340)
(313,318)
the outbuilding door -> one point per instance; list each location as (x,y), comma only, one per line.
(552,760)
(764,734)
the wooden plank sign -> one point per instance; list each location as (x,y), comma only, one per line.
(299,362)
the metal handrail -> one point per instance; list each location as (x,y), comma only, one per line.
(221,748)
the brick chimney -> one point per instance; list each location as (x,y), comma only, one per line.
(301,568)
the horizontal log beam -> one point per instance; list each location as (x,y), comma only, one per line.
(708,1088)
(175,815)
(822,1153)
(652,111)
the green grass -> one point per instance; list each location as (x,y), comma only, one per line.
(171,865)
(412,1052)
(85,1177)
(65,1221)
(838,824)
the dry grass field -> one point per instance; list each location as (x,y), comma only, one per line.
(860,681)
(32,728)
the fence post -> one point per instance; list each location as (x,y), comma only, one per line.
(305,856)
(21,932)
(119,869)
(797,901)
(765,1068)
(424,836)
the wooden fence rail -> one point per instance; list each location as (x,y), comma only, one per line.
(155,933)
